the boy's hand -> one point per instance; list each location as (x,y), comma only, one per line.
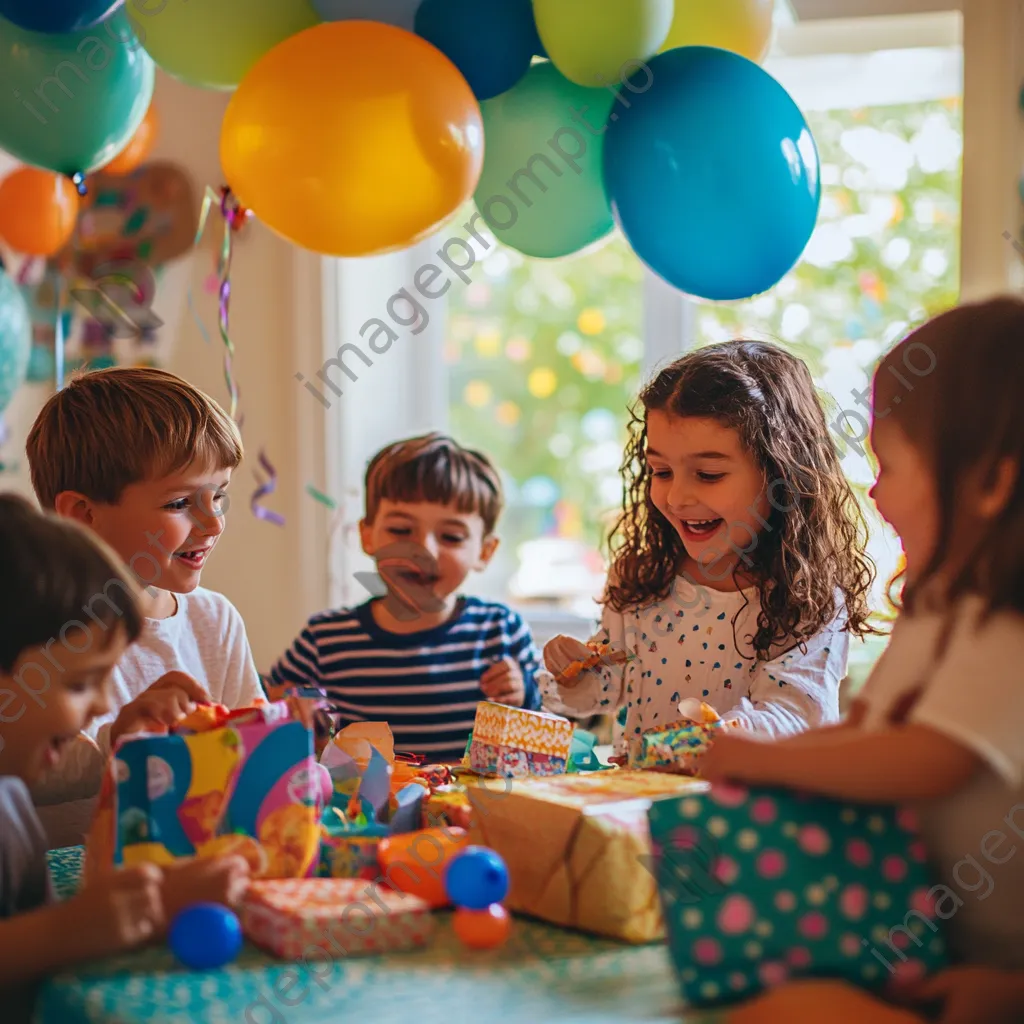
(172,697)
(970,994)
(503,683)
(119,911)
(206,880)
(560,652)
(732,758)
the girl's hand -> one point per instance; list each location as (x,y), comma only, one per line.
(971,994)
(734,758)
(503,683)
(560,652)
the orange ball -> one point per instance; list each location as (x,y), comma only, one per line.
(139,145)
(483,929)
(38,211)
(415,862)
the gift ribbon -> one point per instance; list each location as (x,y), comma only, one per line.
(266,514)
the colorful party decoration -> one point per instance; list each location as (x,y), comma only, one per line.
(713,174)
(38,211)
(71,102)
(57,16)
(492,44)
(595,43)
(400,13)
(214,43)
(139,145)
(353,138)
(15,339)
(742,26)
(541,190)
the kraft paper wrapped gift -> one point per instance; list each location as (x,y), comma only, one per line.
(342,916)
(578,847)
(245,782)
(515,742)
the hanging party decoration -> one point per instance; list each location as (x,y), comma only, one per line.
(353,138)
(541,190)
(71,102)
(713,174)
(15,339)
(41,301)
(214,43)
(742,26)
(57,16)
(400,13)
(38,211)
(139,146)
(492,44)
(595,43)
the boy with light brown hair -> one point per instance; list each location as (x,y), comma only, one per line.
(143,459)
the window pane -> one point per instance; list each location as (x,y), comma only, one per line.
(544,357)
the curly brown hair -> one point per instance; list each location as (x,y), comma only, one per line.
(812,544)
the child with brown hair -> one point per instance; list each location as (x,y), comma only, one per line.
(738,569)
(422,656)
(938,724)
(143,460)
(49,693)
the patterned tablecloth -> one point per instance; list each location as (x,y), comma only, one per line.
(543,974)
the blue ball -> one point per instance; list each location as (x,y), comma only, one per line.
(476,878)
(205,936)
(711,172)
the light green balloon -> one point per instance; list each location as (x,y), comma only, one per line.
(213,43)
(541,190)
(70,102)
(593,42)
(15,339)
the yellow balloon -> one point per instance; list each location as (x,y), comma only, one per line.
(743,26)
(353,138)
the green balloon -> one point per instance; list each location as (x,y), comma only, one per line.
(15,339)
(70,103)
(213,43)
(541,190)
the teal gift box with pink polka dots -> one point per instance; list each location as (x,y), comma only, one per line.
(763,886)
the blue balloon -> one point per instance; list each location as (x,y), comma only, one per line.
(55,16)
(476,878)
(390,12)
(15,339)
(711,173)
(491,43)
(205,936)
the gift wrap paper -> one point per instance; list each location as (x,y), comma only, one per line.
(578,847)
(342,916)
(515,742)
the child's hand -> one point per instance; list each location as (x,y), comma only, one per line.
(970,994)
(503,683)
(119,911)
(734,758)
(172,697)
(560,652)
(205,880)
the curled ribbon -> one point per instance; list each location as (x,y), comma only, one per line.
(263,490)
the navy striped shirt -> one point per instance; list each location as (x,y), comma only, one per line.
(425,685)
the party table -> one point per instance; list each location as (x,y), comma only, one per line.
(543,974)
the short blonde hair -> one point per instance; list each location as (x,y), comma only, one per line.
(434,468)
(112,428)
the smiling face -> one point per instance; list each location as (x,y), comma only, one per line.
(707,485)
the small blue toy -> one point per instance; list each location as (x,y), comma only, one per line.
(476,879)
(205,936)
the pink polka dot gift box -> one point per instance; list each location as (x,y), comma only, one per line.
(763,886)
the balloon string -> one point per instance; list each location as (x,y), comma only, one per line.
(263,490)
(58,334)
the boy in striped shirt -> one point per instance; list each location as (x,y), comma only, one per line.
(422,656)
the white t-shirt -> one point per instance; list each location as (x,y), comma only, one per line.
(973,694)
(204,638)
(689,645)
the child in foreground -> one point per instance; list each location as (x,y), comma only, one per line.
(739,571)
(143,460)
(938,725)
(422,656)
(50,570)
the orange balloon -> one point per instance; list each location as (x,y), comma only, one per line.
(140,145)
(38,211)
(415,862)
(482,929)
(353,138)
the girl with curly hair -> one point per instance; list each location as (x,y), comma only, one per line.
(738,566)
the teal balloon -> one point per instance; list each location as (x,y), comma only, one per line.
(15,339)
(541,190)
(71,102)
